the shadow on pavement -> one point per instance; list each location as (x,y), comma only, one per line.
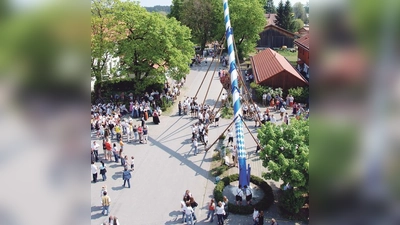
(118,188)
(117,175)
(97,215)
(182,159)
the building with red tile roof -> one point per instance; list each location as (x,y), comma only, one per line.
(272,69)
(303,55)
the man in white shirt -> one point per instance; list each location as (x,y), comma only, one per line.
(264,99)
(95,148)
(216,119)
(94,172)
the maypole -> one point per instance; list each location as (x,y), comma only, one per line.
(244,174)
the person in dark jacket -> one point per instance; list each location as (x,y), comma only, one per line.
(126,176)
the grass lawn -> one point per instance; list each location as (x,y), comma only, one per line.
(291,56)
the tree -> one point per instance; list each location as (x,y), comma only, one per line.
(297,24)
(307,7)
(269,7)
(299,11)
(103,38)
(199,16)
(152,44)
(284,17)
(176,9)
(242,14)
(285,153)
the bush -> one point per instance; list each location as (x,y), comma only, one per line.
(227,112)
(259,90)
(300,94)
(289,202)
(263,204)
(218,171)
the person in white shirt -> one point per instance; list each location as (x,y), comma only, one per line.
(255,216)
(230,136)
(183,210)
(189,213)
(249,194)
(94,172)
(282,111)
(195,145)
(264,99)
(220,211)
(216,119)
(273,120)
(95,148)
(205,140)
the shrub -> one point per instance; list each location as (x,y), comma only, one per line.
(259,90)
(289,202)
(227,112)
(300,94)
(218,171)
(263,204)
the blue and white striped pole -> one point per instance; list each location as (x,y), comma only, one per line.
(241,151)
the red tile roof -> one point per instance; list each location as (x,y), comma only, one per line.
(269,63)
(270,18)
(273,26)
(303,41)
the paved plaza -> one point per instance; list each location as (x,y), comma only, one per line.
(165,167)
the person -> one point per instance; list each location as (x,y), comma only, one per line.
(132,163)
(180,108)
(140,132)
(264,99)
(230,136)
(273,222)
(109,150)
(220,213)
(187,195)
(121,156)
(261,218)
(183,210)
(286,119)
(216,119)
(95,148)
(234,155)
(211,211)
(255,216)
(103,189)
(113,220)
(238,196)
(189,213)
(126,176)
(282,111)
(193,204)
(205,138)
(121,144)
(135,132)
(94,172)
(115,152)
(104,148)
(195,145)
(156,118)
(105,202)
(145,134)
(225,202)
(249,194)
(103,171)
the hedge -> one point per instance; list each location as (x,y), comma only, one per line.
(263,204)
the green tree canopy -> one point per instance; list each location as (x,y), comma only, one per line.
(242,14)
(152,44)
(299,12)
(269,7)
(285,154)
(284,17)
(199,16)
(176,9)
(104,35)
(297,24)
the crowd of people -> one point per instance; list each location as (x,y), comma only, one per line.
(188,206)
